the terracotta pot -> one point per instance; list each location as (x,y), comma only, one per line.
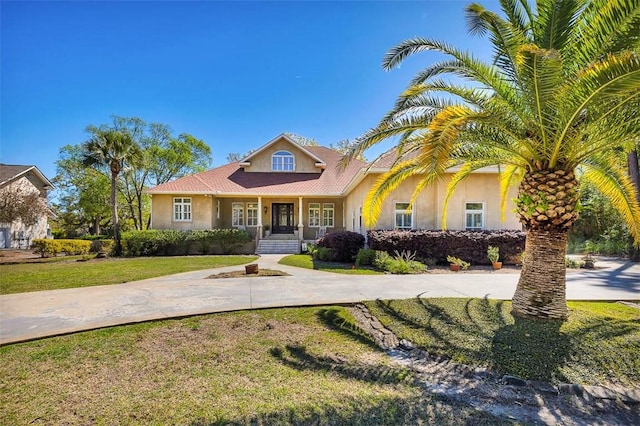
(497,265)
(454,267)
(251,268)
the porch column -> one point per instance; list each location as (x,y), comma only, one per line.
(300,221)
(259,230)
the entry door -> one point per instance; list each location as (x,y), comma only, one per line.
(282,218)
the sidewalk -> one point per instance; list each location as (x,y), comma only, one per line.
(27,316)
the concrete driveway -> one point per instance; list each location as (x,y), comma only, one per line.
(27,316)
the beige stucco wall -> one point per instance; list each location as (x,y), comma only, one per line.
(262,161)
(202,212)
(427,212)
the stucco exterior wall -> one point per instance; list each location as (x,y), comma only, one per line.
(202,212)
(17,234)
(427,212)
(262,161)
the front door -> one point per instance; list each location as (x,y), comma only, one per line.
(282,218)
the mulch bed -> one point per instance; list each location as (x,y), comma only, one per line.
(243,274)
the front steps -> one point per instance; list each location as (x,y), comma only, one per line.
(279,244)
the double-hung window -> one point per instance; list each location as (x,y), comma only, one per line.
(328,215)
(237,212)
(474,216)
(252,214)
(283,161)
(182,209)
(403,216)
(314,214)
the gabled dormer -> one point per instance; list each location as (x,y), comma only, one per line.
(282,155)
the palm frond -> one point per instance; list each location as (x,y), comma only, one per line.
(383,186)
(612,181)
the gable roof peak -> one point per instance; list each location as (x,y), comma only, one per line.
(282,136)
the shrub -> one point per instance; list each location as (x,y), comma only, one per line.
(402,263)
(345,244)
(141,243)
(365,257)
(154,241)
(104,246)
(469,245)
(230,239)
(325,254)
(75,247)
(203,239)
(46,247)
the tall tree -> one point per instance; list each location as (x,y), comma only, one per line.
(548,110)
(163,157)
(114,150)
(83,193)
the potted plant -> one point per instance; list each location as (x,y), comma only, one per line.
(267,232)
(493,253)
(455,263)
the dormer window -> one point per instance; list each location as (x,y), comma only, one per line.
(283,161)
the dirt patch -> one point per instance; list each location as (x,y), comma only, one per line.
(243,274)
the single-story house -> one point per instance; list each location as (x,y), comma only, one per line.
(15,181)
(283,187)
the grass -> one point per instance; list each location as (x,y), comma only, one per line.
(285,366)
(18,278)
(306,261)
(598,345)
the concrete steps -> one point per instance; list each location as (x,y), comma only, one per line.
(278,246)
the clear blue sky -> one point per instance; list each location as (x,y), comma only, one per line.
(234,74)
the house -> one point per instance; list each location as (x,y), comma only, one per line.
(17,184)
(286,189)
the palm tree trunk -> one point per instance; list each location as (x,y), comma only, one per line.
(541,291)
(114,214)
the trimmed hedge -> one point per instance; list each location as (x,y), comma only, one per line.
(155,242)
(46,247)
(345,245)
(470,246)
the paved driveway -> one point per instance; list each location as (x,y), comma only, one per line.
(28,316)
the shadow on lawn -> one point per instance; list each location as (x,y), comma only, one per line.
(483,332)
(371,411)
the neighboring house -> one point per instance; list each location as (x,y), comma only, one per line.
(284,187)
(23,180)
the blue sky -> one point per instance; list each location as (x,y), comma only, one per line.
(235,74)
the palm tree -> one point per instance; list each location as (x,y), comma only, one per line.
(115,150)
(549,110)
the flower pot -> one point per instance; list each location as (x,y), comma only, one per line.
(251,268)
(497,265)
(454,267)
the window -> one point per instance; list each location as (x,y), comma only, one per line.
(237,210)
(327,215)
(182,209)
(283,161)
(474,216)
(314,214)
(403,217)
(252,214)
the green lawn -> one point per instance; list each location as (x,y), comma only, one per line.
(306,261)
(284,366)
(18,278)
(598,345)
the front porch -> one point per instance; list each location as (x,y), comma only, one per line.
(301,218)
